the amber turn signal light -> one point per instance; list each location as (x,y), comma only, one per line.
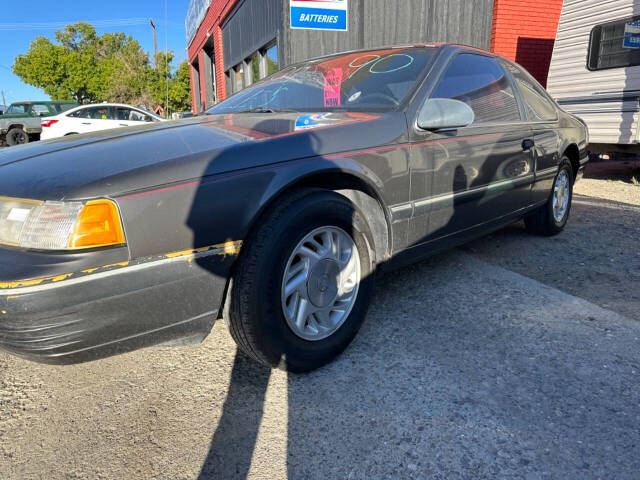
(98,225)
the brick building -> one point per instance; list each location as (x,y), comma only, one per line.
(233,43)
(525,31)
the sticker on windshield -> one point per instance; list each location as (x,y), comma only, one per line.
(332,85)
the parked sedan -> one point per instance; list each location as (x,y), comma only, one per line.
(276,208)
(92,118)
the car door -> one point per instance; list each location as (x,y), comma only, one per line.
(90,119)
(469,176)
(543,118)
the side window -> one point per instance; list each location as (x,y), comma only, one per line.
(481,83)
(538,107)
(39,109)
(63,107)
(82,113)
(17,108)
(93,113)
(129,115)
(99,113)
(123,114)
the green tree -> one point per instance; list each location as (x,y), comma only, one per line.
(83,66)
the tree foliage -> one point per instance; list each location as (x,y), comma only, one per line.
(83,66)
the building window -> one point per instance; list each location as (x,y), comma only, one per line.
(607,47)
(254,67)
(257,66)
(238,77)
(271,57)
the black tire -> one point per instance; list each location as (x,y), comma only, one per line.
(254,310)
(542,221)
(17,136)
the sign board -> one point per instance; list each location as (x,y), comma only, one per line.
(631,34)
(319,14)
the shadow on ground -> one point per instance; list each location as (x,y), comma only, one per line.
(467,370)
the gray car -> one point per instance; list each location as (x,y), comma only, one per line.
(276,208)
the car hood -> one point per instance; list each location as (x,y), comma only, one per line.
(126,160)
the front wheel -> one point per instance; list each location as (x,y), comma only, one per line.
(303,283)
(551,218)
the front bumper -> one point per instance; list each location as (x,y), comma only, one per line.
(104,311)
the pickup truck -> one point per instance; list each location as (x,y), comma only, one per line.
(21,121)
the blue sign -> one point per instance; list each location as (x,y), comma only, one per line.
(319,14)
(631,34)
(631,41)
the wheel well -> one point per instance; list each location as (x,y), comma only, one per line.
(573,154)
(356,190)
(15,125)
(361,194)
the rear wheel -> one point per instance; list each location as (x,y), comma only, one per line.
(551,218)
(303,283)
(17,136)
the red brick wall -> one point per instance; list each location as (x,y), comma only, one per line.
(210,27)
(524,31)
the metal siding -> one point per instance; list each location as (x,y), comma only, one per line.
(415,21)
(375,23)
(569,76)
(300,45)
(251,25)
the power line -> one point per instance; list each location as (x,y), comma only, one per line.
(117,22)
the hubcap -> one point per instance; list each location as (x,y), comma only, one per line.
(320,283)
(561,194)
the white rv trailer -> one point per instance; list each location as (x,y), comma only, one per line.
(595,71)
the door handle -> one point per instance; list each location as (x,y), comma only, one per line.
(527,144)
(123,125)
(86,123)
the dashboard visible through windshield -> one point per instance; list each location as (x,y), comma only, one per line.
(376,80)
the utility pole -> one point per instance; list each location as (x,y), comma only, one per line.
(4,102)
(155,44)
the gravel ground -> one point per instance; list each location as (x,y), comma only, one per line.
(513,357)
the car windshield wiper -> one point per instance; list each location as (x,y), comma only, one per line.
(266,110)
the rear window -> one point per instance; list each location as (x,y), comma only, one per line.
(63,107)
(615,44)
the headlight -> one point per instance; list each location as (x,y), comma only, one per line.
(59,225)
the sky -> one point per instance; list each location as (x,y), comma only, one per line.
(20,26)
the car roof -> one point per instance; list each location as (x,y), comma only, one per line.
(104,105)
(437,45)
(108,104)
(46,102)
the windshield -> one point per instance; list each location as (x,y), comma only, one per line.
(377,80)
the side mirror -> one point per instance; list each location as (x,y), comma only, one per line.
(439,113)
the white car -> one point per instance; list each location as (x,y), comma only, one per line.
(92,118)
